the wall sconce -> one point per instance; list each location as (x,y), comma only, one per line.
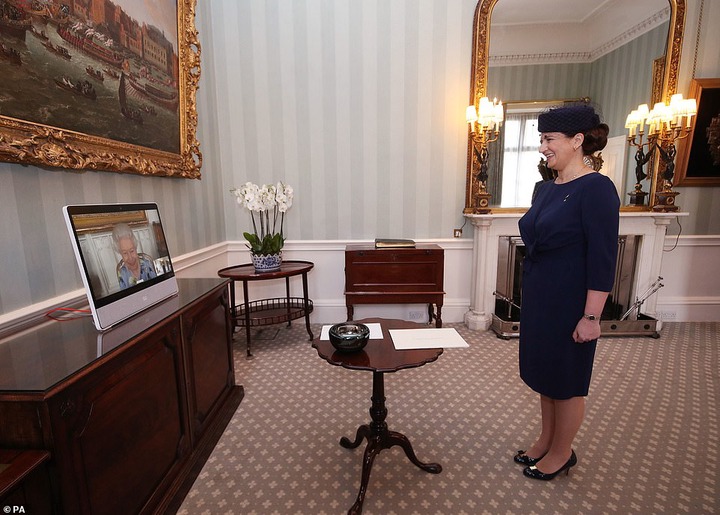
(484,123)
(665,127)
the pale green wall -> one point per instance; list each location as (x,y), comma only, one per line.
(359,105)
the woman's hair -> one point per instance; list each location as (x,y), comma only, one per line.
(595,139)
(119,232)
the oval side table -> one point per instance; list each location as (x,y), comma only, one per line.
(268,311)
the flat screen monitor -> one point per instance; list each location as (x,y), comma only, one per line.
(123,257)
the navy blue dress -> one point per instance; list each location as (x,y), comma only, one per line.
(571,239)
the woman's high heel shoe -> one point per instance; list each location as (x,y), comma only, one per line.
(535,473)
(523,459)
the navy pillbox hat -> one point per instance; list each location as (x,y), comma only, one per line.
(568,119)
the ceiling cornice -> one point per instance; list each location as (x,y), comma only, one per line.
(595,53)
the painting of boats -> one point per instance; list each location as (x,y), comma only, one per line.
(14,21)
(78,51)
(41,11)
(57,49)
(39,33)
(8,53)
(163,98)
(98,69)
(126,110)
(111,73)
(79,87)
(85,41)
(95,74)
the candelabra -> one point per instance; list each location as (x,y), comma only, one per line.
(665,127)
(484,123)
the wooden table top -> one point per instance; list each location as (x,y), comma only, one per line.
(247,271)
(379,355)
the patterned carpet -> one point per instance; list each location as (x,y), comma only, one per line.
(649,443)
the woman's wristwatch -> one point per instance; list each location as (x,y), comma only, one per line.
(590,317)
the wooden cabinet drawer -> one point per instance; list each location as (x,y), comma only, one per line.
(418,269)
(395,276)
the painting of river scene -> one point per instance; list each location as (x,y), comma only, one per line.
(106,68)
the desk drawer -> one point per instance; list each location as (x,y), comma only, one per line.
(394,270)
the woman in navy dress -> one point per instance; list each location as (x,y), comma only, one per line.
(571,237)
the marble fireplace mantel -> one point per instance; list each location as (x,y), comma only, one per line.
(487,230)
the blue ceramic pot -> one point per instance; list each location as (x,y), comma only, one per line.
(267,263)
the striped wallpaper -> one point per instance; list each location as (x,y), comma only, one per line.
(358,104)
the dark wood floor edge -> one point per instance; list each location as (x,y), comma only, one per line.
(186,480)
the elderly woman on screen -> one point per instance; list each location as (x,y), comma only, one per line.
(133,267)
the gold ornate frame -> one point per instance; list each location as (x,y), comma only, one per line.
(104,221)
(688,159)
(479,71)
(53,147)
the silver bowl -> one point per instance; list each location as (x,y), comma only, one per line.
(349,336)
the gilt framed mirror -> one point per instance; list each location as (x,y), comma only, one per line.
(552,62)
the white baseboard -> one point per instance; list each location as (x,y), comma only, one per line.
(689,309)
(691,286)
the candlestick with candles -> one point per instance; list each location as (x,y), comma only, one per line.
(484,124)
(666,123)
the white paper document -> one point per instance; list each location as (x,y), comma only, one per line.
(375,331)
(405,339)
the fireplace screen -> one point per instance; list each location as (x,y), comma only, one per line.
(508,292)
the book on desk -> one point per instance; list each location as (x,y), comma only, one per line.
(390,243)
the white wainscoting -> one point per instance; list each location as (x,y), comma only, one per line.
(326,282)
(689,271)
(691,279)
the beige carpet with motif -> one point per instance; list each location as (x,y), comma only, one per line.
(649,443)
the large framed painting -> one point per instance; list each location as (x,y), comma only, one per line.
(100,85)
(699,154)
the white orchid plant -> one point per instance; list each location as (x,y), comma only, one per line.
(270,203)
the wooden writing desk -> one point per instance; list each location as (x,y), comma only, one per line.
(395,276)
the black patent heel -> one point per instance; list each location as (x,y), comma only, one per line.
(534,473)
(523,459)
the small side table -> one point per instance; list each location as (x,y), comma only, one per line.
(379,356)
(269,311)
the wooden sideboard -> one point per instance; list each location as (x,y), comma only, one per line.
(128,416)
(395,276)
(24,482)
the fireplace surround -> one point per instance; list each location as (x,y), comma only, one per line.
(491,232)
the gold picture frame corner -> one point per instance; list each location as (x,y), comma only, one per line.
(687,160)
